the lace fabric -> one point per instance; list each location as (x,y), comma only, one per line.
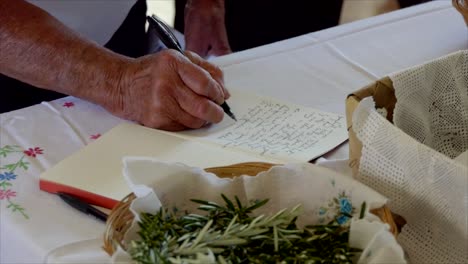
(412,162)
(432,103)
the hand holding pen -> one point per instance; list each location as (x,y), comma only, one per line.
(167,37)
(168,91)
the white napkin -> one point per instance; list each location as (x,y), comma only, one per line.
(157,183)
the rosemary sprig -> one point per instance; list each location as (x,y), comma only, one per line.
(232,234)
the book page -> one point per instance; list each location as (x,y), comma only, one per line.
(271,128)
(267,130)
(97,168)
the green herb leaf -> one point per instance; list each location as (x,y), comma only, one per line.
(231,233)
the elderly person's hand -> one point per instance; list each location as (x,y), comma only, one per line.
(170,92)
(205,29)
(166,90)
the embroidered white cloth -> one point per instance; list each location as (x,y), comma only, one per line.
(316,70)
(323,194)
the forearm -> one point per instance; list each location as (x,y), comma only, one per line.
(216,3)
(205,27)
(164,90)
(37,49)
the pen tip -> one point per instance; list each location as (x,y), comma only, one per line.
(233,117)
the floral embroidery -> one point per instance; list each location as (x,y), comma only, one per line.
(32,152)
(68,104)
(342,219)
(96,136)
(7,194)
(339,208)
(345,205)
(8,174)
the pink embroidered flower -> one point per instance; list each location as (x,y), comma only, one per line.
(7,194)
(68,104)
(96,136)
(33,152)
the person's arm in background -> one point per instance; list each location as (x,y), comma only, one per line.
(164,91)
(205,29)
(462,7)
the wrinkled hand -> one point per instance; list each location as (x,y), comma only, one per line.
(205,30)
(170,91)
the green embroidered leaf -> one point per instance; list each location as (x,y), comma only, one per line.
(5,184)
(17,208)
(13,147)
(23,164)
(14,207)
(336,200)
(10,167)
(21,210)
(5,150)
(3,153)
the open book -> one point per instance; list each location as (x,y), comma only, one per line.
(267,130)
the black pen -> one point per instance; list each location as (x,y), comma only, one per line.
(82,206)
(167,37)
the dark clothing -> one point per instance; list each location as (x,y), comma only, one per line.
(257,22)
(407,3)
(130,40)
(249,24)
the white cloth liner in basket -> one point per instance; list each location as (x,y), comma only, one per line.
(157,183)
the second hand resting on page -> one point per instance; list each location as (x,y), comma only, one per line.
(165,90)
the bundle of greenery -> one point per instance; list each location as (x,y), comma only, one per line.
(233,233)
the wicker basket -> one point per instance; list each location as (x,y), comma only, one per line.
(384,96)
(120,218)
(462,7)
(383,93)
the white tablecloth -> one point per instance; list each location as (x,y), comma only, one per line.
(316,70)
